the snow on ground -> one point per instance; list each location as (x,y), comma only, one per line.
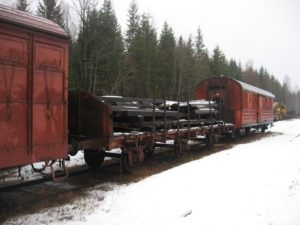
(27,173)
(254,183)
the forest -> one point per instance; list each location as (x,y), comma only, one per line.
(141,62)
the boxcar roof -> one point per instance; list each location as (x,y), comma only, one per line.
(23,19)
(254,89)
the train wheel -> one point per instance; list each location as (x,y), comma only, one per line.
(93,158)
(179,148)
(75,146)
(148,151)
(125,165)
(263,129)
(232,135)
(209,141)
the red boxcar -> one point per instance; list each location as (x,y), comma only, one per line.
(239,103)
(33,89)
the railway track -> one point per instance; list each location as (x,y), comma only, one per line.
(30,196)
(45,177)
(33,196)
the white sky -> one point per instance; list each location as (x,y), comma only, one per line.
(265,32)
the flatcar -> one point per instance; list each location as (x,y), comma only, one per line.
(242,104)
(137,126)
(33,89)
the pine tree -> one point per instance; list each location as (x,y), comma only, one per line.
(112,49)
(146,57)
(185,68)
(250,75)
(202,63)
(217,62)
(133,24)
(200,47)
(87,52)
(234,70)
(100,47)
(167,44)
(79,62)
(50,10)
(23,5)
(132,45)
(262,77)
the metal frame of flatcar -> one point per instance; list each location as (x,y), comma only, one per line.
(135,143)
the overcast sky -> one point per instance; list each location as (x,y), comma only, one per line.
(264,32)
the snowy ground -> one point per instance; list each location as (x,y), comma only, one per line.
(255,183)
(27,173)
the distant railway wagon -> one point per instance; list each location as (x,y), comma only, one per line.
(244,105)
(33,89)
(279,111)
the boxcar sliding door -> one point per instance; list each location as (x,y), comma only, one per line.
(14,101)
(49,135)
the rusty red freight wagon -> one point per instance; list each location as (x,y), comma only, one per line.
(33,89)
(242,104)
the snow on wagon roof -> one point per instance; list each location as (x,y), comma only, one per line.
(23,19)
(254,89)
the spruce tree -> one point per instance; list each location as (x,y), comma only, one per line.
(200,47)
(262,77)
(133,24)
(219,65)
(132,52)
(186,76)
(234,70)
(100,47)
(49,9)
(146,56)
(22,5)
(112,49)
(216,61)
(202,63)
(167,44)
(141,53)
